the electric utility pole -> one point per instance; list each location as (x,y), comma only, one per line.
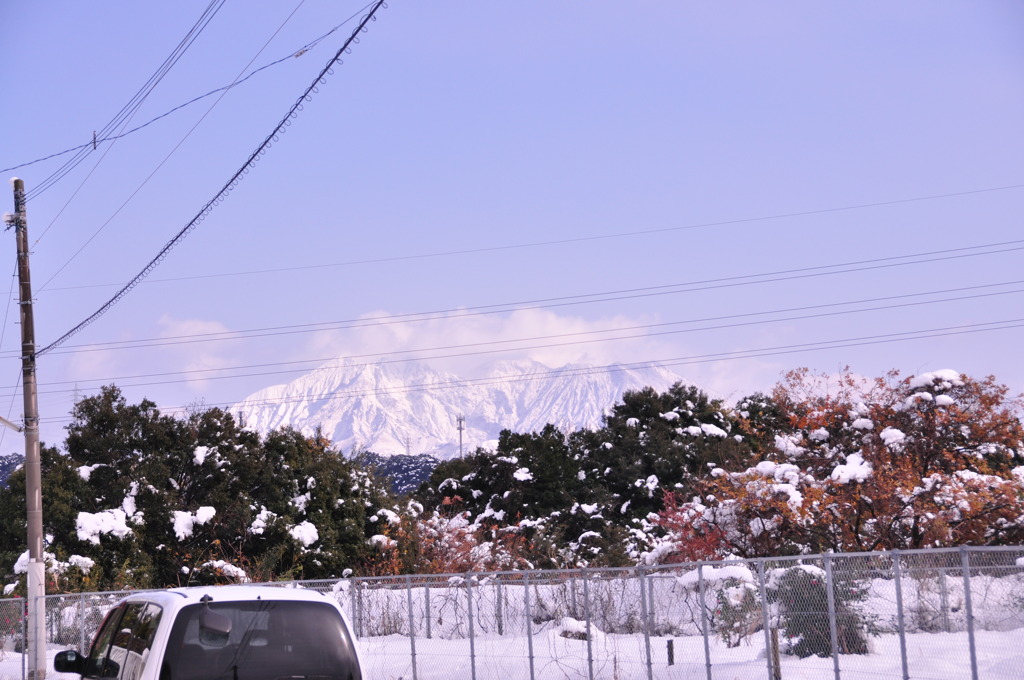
(33,470)
(461,420)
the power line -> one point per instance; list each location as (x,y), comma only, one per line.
(537,244)
(159,165)
(3,333)
(886,338)
(693,359)
(476,349)
(112,137)
(565,301)
(129,109)
(280,129)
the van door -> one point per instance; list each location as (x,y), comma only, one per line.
(122,646)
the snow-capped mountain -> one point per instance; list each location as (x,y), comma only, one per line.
(9,462)
(410,408)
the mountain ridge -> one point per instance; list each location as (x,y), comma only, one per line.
(410,408)
(9,462)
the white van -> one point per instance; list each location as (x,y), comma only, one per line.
(221,633)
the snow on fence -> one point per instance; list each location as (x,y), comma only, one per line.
(943,613)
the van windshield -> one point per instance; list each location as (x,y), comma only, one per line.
(267,640)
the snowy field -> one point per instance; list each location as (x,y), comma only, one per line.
(936,656)
(533,626)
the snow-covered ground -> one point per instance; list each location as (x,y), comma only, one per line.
(935,656)
(536,632)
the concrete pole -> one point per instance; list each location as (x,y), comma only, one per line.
(33,469)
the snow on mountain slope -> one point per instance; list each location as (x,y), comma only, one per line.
(408,407)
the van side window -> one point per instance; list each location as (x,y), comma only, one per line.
(136,631)
(94,666)
(122,646)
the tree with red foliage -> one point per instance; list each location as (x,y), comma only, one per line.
(889,463)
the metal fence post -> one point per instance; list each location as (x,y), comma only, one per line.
(359,610)
(766,623)
(830,597)
(944,601)
(498,608)
(24,640)
(649,584)
(646,622)
(426,607)
(898,579)
(412,623)
(469,611)
(81,624)
(965,564)
(586,612)
(529,620)
(704,619)
(352,598)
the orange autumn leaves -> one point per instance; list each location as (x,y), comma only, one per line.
(889,463)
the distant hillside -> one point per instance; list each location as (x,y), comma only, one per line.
(9,462)
(404,473)
(409,408)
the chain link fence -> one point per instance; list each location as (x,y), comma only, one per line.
(942,614)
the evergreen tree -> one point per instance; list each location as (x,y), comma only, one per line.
(655,442)
(155,501)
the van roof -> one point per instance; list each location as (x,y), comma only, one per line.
(175,598)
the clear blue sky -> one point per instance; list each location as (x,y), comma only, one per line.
(477,154)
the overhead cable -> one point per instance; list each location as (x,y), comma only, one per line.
(129,109)
(982,327)
(92,143)
(573,300)
(535,244)
(583,337)
(261,150)
(906,336)
(146,180)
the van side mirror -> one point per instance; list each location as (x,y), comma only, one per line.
(214,628)
(69,661)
